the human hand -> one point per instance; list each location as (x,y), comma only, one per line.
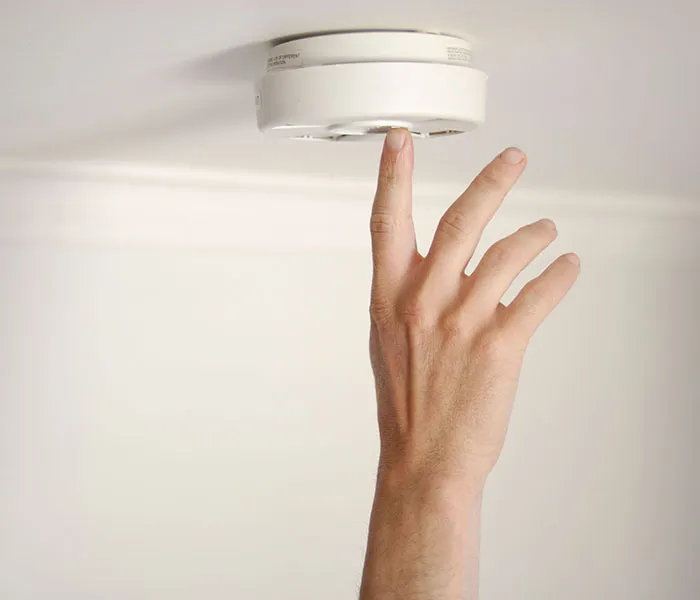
(446,353)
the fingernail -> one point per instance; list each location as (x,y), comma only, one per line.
(549,223)
(395,139)
(573,259)
(512,156)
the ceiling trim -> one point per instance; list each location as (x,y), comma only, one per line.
(435,193)
(130,207)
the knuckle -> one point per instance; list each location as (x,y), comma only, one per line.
(380,310)
(494,345)
(488,178)
(534,295)
(382,223)
(497,255)
(453,326)
(455,225)
(413,313)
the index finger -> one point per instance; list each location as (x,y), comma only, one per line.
(391,224)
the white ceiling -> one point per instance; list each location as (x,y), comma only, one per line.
(600,94)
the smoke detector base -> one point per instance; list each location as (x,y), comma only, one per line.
(357,85)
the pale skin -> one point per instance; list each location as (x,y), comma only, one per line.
(446,354)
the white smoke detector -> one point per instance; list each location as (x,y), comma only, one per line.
(356,85)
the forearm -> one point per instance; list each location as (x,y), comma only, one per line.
(423,543)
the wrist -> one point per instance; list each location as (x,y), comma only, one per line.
(431,483)
(423,537)
(432,490)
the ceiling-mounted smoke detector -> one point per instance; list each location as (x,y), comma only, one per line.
(349,86)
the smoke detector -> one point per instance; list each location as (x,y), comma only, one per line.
(357,85)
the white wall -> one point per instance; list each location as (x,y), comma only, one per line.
(186,405)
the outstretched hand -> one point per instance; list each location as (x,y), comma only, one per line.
(446,354)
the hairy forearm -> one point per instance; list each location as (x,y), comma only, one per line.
(423,543)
